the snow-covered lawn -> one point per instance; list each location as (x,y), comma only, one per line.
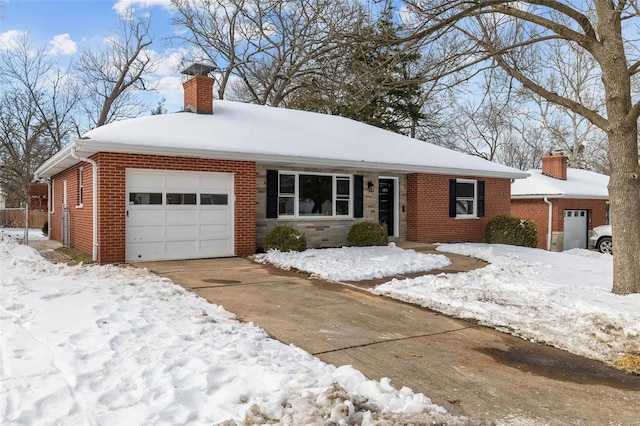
(562,299)
(109,345)
(355,263)
(18,234)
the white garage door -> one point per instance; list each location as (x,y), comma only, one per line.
(178,215)
(575,229)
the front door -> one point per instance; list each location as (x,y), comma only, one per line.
(386,204)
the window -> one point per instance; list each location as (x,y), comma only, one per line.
(466,198)
(145,198)
(313,195)
(214,199)
(181,198)
(80,187)
(52,201)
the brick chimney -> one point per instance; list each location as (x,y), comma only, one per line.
(555,165)
(198,89)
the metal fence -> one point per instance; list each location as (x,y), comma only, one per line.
(15,223)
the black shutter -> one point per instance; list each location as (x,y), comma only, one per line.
(272,194)
(452,198)
(358,196)
(480,198)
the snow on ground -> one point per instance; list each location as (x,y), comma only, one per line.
(106,345)
(562,299)
(355,263)
(18,234)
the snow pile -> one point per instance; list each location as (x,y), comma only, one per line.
(89,345)
(562,299)
(355,263)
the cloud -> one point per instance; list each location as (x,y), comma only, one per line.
(122,6)
(10,39)
(62,45)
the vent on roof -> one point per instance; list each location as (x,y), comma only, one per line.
(198,89)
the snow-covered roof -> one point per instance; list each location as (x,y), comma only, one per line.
(579,184)
(279,136)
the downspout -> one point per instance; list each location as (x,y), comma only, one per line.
(94,198)
(549,224)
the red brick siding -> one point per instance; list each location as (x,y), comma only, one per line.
(428,208)
(111,200)
(537,211)
(198,92)
(80,235)
(555,165)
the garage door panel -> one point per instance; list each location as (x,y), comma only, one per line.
(186,247)
(147,181)
(182,232)
(145,251)
(215,216)
(216,246)
(179,231)
(146,234)
(181,216)
(213,231)
(144,217)
(575,229)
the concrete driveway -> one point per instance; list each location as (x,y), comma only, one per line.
(468,369)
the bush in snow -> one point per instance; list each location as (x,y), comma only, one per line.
(511,230)
(365,234)
(45,229)
(285,238)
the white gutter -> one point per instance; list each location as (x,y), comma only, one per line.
(94,198)
(550,223)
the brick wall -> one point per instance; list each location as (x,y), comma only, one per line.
(81,216)
(537,211)
(325,232)
(428,209)
(112,200)
(555,165)
(198,94)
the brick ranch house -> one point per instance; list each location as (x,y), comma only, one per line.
(565,203)
(212,182)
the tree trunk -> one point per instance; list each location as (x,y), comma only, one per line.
(622,130)
(624,193)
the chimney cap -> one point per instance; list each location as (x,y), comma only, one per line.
(198,68)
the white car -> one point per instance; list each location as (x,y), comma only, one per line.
(601,239)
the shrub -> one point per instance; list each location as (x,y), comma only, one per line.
(45,229)
(285,238)
(511,230)
(368,234)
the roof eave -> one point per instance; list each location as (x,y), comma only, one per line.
(88,147)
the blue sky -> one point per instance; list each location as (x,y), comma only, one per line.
(68,26)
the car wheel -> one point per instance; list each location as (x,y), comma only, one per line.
(605,245)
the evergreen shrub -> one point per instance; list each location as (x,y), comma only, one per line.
(45,229)
(285,238)
(504,229)
(364,234)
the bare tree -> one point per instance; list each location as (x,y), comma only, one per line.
(505,32)
(572,73)
(37,107)
(112,73)
(273,47)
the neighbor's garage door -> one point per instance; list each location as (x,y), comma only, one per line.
(178,215)
(575,229)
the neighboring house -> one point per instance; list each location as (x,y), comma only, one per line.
(214,181)
(38,193)
(566,204)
